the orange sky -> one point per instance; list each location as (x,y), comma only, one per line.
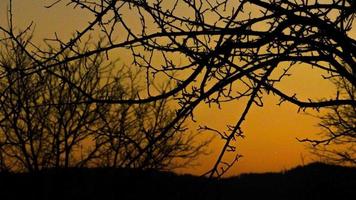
(271,131)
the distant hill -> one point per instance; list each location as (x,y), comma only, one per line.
(313,181)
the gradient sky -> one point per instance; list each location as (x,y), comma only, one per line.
(271,131)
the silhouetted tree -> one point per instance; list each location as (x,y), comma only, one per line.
(44,124)
(337,143)
(227,50)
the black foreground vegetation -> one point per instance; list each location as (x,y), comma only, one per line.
(313,181)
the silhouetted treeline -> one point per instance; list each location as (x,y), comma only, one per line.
(314,181)
(47,120)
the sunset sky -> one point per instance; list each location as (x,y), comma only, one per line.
(271,131)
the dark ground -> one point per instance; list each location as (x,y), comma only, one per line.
(314,181)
